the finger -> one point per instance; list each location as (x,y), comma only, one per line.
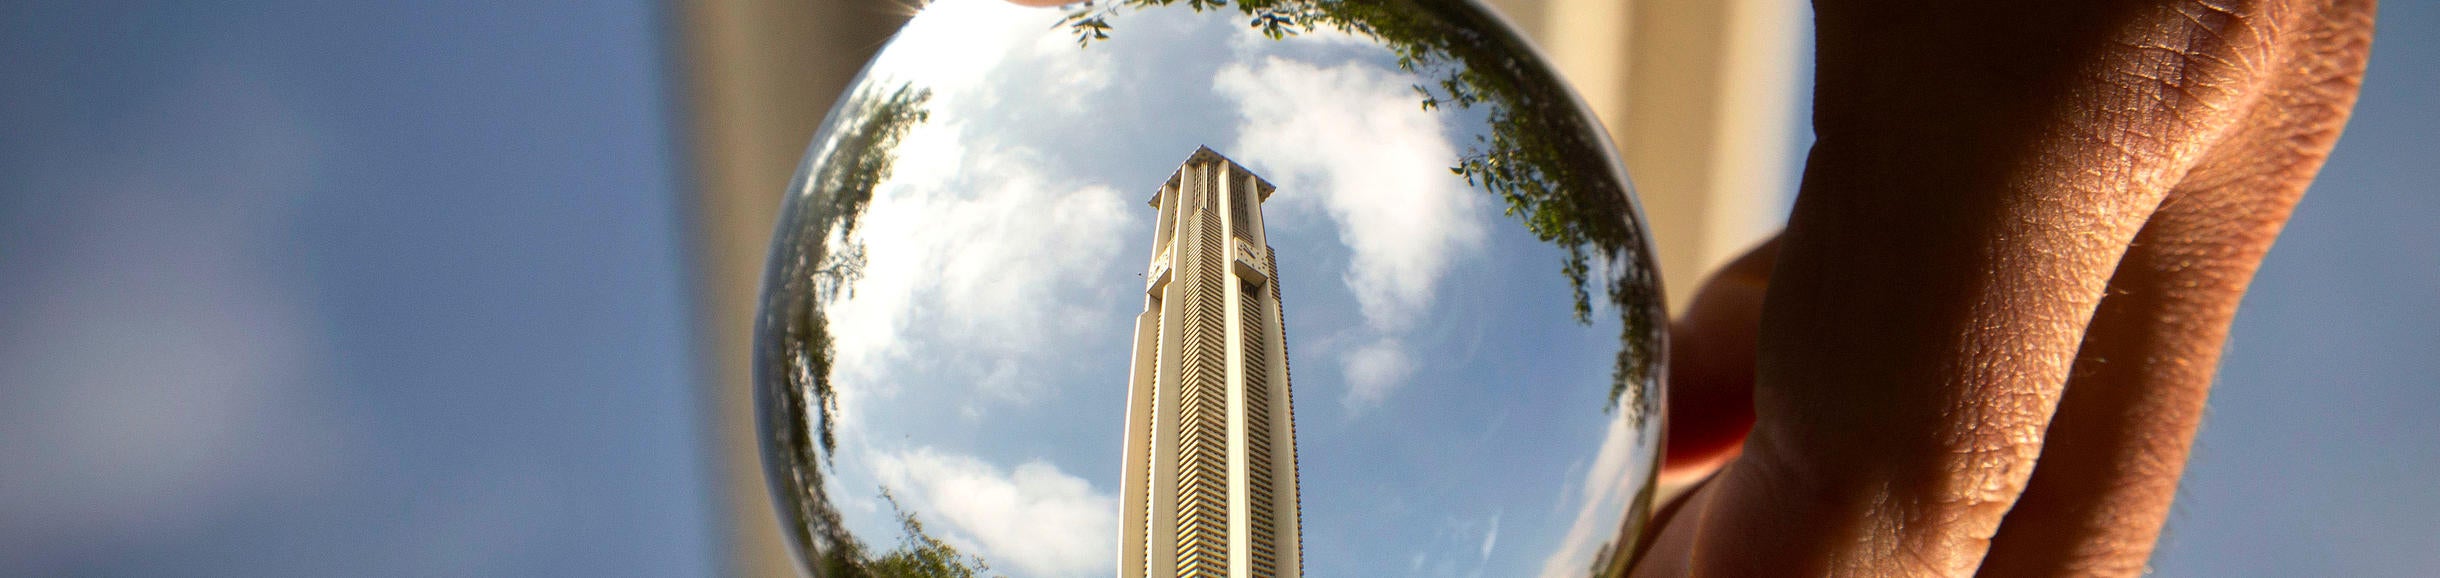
(1711,395)
(2118,444)
(1979,172)
(1711,368)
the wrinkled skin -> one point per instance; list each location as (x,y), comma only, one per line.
(1984,341)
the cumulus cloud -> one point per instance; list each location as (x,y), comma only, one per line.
(979,263)
(976,259)
(1351,141)
(985,251)
(978,249)
(1035,518)
(959,48)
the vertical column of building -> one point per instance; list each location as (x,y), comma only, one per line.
(1262,539)
(1260,514)
(1135,506)
(1135,503)
(1240,467)
(1203,452)
(1289,527)
(1140,547)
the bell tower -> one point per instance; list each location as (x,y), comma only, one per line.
(1210,486)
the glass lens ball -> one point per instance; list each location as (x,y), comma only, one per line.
(1201,288)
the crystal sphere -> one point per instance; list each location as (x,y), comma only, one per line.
(1158,288)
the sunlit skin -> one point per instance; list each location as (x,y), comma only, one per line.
(1984,341)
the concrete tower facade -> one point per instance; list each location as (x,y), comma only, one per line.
(1209,488)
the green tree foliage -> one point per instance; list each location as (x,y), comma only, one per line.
(858,159)
(861,160)
(1548,163)
(819,259)
(920,555)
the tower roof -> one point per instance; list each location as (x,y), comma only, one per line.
(1206,154)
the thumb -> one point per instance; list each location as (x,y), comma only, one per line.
(1711,368)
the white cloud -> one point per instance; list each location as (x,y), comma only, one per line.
(1602,504)
(1373,370)
(955,43)
(1035,518)
(959,48)
(977,254)
(977,259)
(1491,536)
(1248,46)
(1353,141)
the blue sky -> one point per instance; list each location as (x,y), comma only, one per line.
(300,290)
(2319,453)
(309,290)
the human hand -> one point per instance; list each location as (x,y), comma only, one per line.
(1984,341)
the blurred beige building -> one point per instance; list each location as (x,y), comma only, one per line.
(1697,93)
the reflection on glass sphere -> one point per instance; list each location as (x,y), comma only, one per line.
(1265,288)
